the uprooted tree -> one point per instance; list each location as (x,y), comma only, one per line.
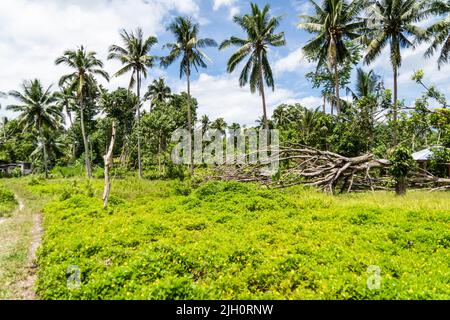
(332,172)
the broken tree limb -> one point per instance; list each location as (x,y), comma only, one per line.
(108,159)
(328,171)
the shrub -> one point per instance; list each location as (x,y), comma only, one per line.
(402,164)
(440,162)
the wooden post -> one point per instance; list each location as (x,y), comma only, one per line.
(108,158)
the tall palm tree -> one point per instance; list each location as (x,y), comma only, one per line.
(38,111)
(440,32)
(158,91)
(259,27)
(82,81)
(335,25)
(135,57)
(187,47)
(392,22)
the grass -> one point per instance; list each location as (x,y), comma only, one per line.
(15,238)
(166,240)
(7,201)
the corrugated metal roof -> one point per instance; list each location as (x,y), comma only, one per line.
(424,154)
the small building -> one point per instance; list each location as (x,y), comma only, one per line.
(25,168)
(423,157)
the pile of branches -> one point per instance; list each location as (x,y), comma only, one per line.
(328,171)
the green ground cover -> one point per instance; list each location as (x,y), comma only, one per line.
(167,240)
(7,201)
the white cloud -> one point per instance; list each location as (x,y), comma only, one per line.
(294,61)
(224,3)
(222,97)
(35,33)
(230,4)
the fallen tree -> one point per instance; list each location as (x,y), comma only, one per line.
(328,171)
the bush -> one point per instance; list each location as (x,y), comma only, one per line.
(402,164)
(7,201)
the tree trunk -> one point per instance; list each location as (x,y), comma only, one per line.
(44,151)
(263,96)
(159,153)
(395,108)
(324,107)
(108,158)
(87,158)
(401,186)
(188,75)
(336,83)
(138,85)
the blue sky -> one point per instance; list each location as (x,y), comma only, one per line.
(34,33)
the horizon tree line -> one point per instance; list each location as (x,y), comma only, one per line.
(338,27)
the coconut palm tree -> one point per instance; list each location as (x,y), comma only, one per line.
(441,32)
(259,27)
(85,66)
(219,124)
(368,84)
(38,112)
(187,47)
(205,123)
(158,91)
(66,99)
(135,58)
(50,143)
(391,22)
(336,26)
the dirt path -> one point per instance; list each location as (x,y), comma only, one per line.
(20,236)
(27,285)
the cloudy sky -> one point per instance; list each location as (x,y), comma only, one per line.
(35,32)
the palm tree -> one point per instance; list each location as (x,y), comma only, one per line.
(38,111)
(82,81)
(335,26)
(368,84)
(205,122)
(135,57)
(66,99)
(392,22)
(187,47)
(441,32)
(259,27)
(51,144)
(219,124)
(158,91)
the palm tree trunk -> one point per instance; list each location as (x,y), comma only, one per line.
(188,75)
(159,153)
(138,85)
(44,151)
(263,96)
(395,129)
(336,83)
(324,106)
(85,141)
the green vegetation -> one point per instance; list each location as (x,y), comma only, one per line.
(168,236)
(169,240)
(7,201)
(15,240)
